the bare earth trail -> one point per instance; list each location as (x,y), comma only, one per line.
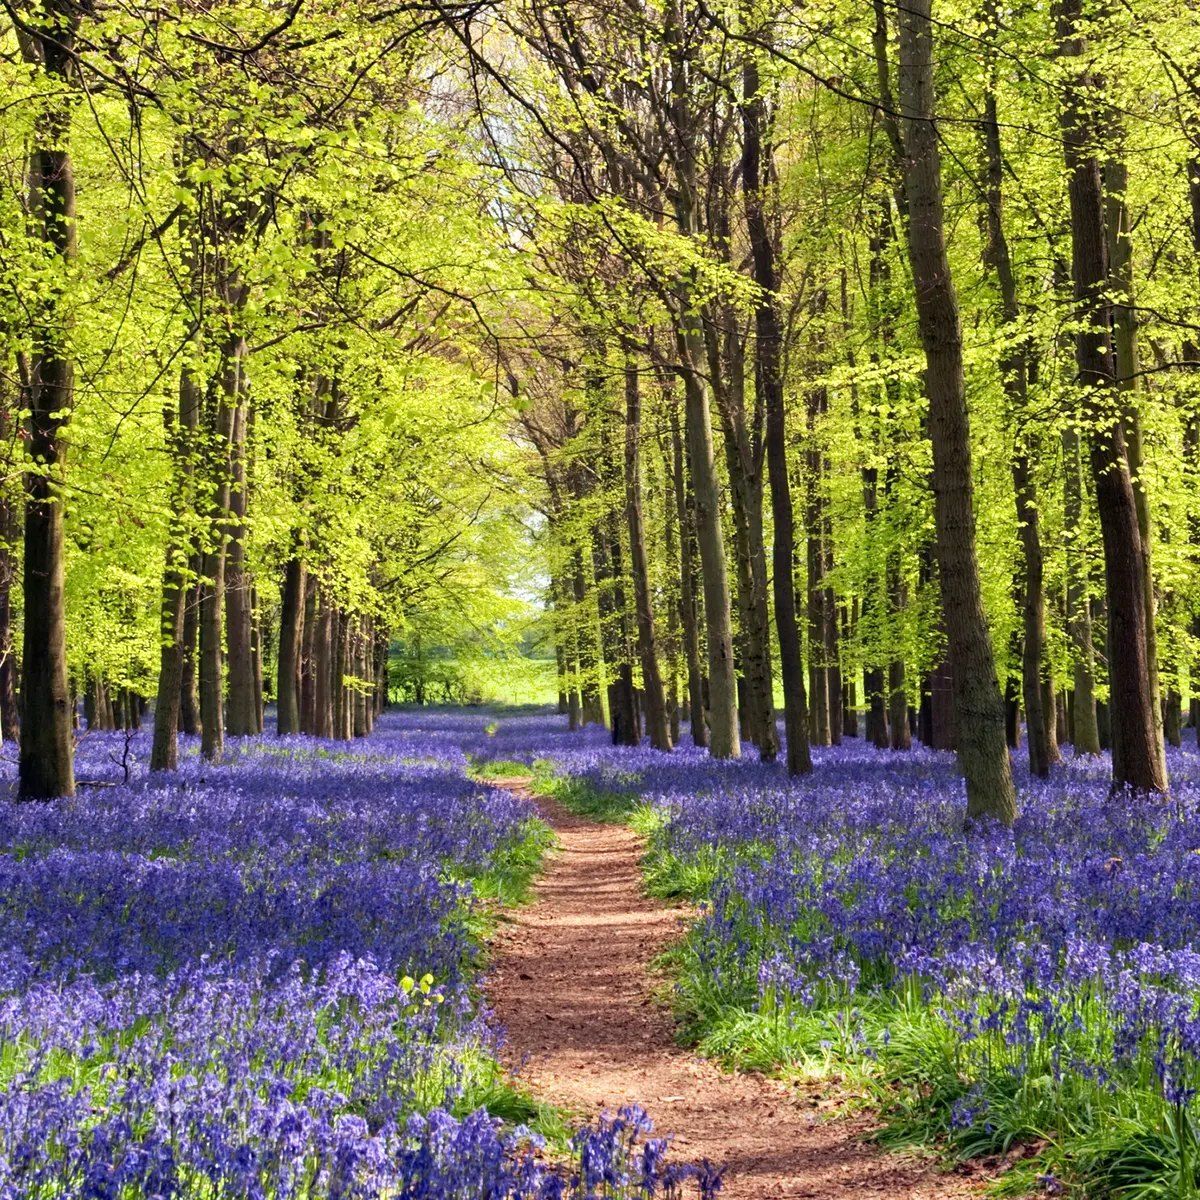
(571,984)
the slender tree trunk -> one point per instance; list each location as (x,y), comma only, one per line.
(10,531)
(382,647)
(1137,758)
(831,651)
(723,736)
(672,625)
(849,699)
(1128,366)
(1085,726)
(308,658)
(257,636)
(1191,353)
(291,640)
(756,168)
(242,714)
(982,750)
(10,724)
(361,725)
(344,666)
(189,685)
(655,702)
(46,766)
(605,567)
(744,462)
(874,688)
(212,596)
(724,740)
(884,306)
(181,429)
(1012,683)
(689,616)
(1015,371)
(821,703)
(899,734)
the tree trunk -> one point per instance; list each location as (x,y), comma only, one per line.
(723,736)
(1137,757)
(849,620)
(10,724)
(10,529)
(323,652)
(189,686)
(1015,372)
(361,724)
(46,766)
(899,734)
(308,658)
(242,713)
(212,595)
(1085,728)
(744,464)
(382,647)
(1127,365)
(756,170)
(655,701)
(982,751)
(689,616)
(821,702)
(589,667)
(620,679)
(291,640)
(257,636)
(181,431)
(874,687)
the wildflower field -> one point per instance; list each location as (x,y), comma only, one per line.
(262,979)
(1030,995)
(258,980)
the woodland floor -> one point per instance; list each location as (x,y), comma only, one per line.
(574,987)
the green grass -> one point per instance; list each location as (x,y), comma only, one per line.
(499,768)
(508,879)
(485,1084)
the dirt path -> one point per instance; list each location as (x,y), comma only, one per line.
(571,985)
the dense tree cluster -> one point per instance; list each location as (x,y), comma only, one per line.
(846,349)
(245,291)
(929,282)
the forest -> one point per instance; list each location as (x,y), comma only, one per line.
(599,599)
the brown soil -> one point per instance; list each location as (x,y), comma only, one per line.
(572,986)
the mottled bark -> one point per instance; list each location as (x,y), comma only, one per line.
(1137,758)
(982,751)
(1127,364)
(10,532)
(46,759)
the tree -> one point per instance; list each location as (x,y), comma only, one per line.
(982,750)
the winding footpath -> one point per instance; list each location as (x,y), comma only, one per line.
(572,984)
